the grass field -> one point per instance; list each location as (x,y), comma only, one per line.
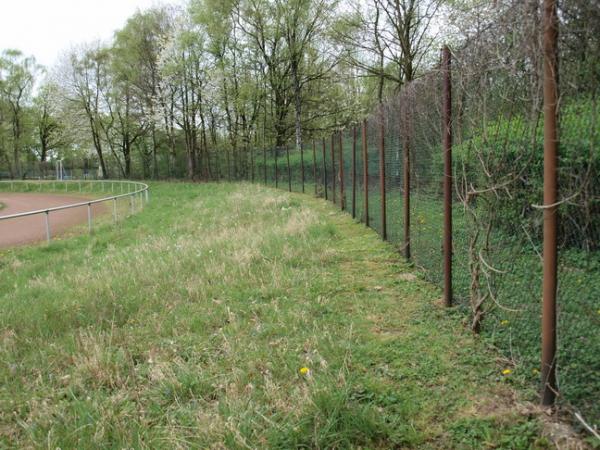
(189,324)
(512,324)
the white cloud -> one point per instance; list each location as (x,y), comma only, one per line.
(46,28)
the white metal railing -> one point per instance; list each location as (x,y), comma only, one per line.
(137,193)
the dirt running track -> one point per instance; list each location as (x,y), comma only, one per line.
(26,230)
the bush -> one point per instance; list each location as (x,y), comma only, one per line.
(509,154)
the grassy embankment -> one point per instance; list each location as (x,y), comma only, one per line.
(189,324)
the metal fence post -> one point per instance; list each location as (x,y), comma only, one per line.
(314,154)
(276,168)
(382,172)
(447,130)
(302,165)
(333,187)
(341,171)
(115,210)
(365,155)
(265,163)
(549,386)
(251,164)
(89,211)
(324,169)
(48,235)
(354,172)
(407,131)
(287,154)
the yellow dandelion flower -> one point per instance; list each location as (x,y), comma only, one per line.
(506,372)
(304,371)
(504,323)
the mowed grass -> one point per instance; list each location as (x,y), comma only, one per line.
(187,326)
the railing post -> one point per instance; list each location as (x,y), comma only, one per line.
(131,205)
(447,130)
(549,386)
(48,235)
(382,172)
(365,154)
(341,171)
(89,211)
(115,210)
(333,187)
(324,169)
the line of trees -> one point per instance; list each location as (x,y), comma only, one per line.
(188,92)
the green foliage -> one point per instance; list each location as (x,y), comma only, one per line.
(508,155)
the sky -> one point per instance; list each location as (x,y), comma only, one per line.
(47,28)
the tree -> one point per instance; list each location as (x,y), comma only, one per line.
(137,49)
(85,83)
(17,76)
(49,127)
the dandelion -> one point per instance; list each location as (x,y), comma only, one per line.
(535,371)
(304,371)
(506,372)
(504,323)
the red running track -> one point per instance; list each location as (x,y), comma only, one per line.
(31,229)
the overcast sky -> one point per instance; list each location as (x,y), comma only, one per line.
(46,28)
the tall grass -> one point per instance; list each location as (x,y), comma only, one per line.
(188,324)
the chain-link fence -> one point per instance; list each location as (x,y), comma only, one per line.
(389,172)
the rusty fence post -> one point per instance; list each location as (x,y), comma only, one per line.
(276,168)
(265,163)
(354,172)
(289,172)
(447,130)
(341,171)
(302,165)
(549,386)
(407,131)
(382,172)
(333,187)
(314,154)
(252,164)
(324,169)
(365,154)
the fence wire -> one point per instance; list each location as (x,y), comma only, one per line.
(497,170)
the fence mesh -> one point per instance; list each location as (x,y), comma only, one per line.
(497,169)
